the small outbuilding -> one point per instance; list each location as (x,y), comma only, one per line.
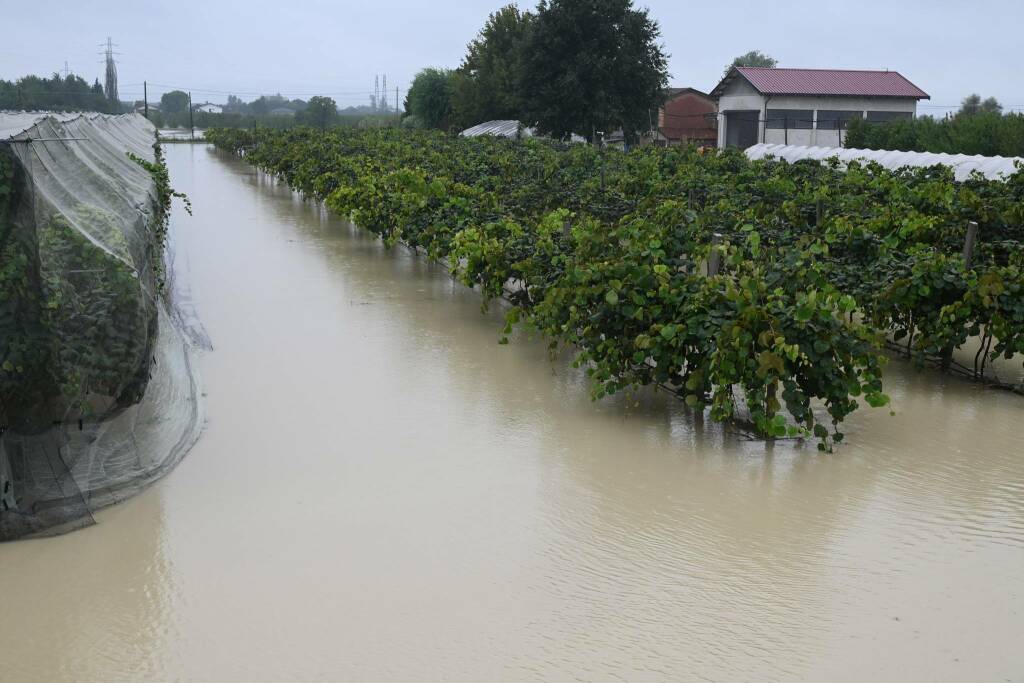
(688,117)
(810,107)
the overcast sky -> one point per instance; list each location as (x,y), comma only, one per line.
(305,47)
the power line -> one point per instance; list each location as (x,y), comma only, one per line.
(210,91)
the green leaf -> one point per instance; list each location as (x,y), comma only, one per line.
(612,297)
(876,399)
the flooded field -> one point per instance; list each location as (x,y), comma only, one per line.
(383,492)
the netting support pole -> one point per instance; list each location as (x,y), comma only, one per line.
(7,499)
(715,257)
(969,240)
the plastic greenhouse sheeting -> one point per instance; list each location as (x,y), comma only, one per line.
(504,128)
(963,165)
(98,392)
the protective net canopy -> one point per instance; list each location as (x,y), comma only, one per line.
(98,392)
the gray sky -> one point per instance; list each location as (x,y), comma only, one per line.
(305,47)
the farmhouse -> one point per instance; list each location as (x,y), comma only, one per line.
(811,107)
(208,108)
(687,117)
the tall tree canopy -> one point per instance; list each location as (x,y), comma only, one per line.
(174,102)
(592,65)
(485,86)
(320,112)
(430,98)
(973,104)
(754,58)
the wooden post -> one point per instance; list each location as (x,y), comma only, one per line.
(715,257)
(145,99)
(969,240)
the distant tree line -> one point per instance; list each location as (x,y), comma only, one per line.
(979,127)
(570,66)
(57,93)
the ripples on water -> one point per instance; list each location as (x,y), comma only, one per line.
(385,493)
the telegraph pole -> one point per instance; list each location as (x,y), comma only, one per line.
(191,122)
(145,100)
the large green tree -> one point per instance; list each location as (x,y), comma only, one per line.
(430,98)
(320,112)
(592,65)
(485,86)
(174,102)
(753,58)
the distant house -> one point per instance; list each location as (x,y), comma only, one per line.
(208,108)
(281,111)
(811,107)
(687,117)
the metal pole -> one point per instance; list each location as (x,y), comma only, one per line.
(972,237)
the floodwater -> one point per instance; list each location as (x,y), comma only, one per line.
(383,492)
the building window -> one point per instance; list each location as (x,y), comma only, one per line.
(798,119)
(883,116)
(832,119)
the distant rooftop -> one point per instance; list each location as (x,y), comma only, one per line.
(827,82)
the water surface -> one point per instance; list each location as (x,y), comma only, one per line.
(383,492)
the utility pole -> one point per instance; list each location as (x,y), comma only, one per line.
(191,122)
(145,99)
(396,99)
(66,70)
(384,95)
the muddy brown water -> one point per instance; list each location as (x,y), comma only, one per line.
(385,493)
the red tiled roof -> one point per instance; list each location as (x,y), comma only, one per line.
(830,82)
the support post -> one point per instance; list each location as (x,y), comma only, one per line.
(715,257)
(969,240)
(191,122)
(145,100)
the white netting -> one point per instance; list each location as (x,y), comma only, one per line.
(98,396)
(963,165)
